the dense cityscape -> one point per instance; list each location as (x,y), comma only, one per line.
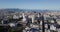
(21,20)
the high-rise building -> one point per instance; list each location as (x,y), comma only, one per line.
(33,17)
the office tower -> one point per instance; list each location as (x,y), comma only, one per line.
(24,19)
(2,22)
(33,19)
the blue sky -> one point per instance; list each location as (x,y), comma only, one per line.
(31,4)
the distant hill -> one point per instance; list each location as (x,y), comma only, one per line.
(11,10)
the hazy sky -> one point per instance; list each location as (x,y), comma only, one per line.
(31,4)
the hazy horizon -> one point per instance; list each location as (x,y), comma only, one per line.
(31,4)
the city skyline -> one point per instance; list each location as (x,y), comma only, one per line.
(31,4)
